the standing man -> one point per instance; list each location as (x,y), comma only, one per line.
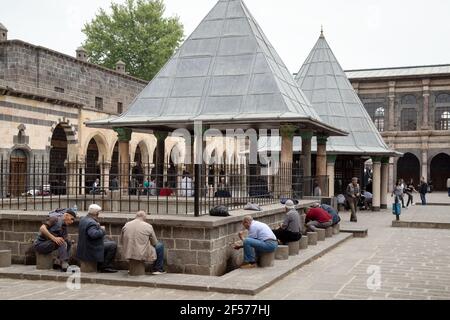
(353,193)
(290,230)
(93,245)
(260,239)
(140,243)
(423,189)
(53,236)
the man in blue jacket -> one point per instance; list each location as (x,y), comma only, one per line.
(93,246)
(331,211)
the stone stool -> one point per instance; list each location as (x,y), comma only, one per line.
(44,261)
(304,242)
(336,228)
(282,252)
(136,268)
(88,267)
(329,232)
(5,258)
(294,247)
(266,259)
(320,234)
(312,238)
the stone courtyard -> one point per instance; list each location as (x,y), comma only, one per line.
(413,264)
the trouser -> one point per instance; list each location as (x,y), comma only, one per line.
(313,225)
(402,200)
(110,248)
(159,263)
(48,246)
(449,192)
(352,202)
(424,200)
(410,199)
(286,236)
(254,246)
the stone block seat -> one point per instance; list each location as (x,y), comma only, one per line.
(266,259)
(88,266)
(282,252)
(136,268)
(320,234)
(304,242)
(312,238)
(329,232)
(5,258)
(336,229)
(45,261)
(294,247)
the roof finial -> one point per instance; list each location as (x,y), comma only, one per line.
(321,30)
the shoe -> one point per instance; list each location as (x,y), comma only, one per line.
(248,265)
(108,270)
(159,272)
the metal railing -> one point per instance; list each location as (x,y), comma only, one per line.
(158,189)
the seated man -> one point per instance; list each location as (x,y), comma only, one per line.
(317,218)
(331,211)
(166,191)
(95,187)
(53,236)
(290,229)
(93,246)
(140,243)
(260,239)
(367,199)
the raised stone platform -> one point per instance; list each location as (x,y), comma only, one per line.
(420,224)
(237,281)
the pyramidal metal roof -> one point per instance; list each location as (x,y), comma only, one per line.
(326,85)
(226,71)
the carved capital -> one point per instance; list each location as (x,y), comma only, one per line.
(123,134)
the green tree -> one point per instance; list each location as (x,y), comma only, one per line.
(136,33)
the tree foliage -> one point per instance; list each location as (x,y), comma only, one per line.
(136,33)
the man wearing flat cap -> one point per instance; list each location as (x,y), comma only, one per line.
(93,246)
(53,236)
(290,230)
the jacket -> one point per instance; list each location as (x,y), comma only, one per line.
(139,240)
(90,240)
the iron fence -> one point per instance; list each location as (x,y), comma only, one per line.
(158,189)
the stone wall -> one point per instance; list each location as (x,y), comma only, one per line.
(193,245)
(39,70)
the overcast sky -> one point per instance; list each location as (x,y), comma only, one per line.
(362,33)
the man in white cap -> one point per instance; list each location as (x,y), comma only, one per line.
(93,246)
(290,230)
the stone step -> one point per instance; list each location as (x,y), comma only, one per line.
(336,229)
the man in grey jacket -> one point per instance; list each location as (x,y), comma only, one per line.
(93,246)
(290,230)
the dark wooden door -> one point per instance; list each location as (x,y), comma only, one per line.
(18,176)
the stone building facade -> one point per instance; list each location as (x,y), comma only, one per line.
(410,106)
(45,98)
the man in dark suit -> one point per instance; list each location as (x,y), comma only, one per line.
(93,246)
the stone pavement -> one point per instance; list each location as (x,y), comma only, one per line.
(412,264)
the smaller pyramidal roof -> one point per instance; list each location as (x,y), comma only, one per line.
(327,87)
(226,71)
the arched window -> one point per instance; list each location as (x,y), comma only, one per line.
(409,119)
(409,99)
(443,98)
(379,119)
(443,119)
